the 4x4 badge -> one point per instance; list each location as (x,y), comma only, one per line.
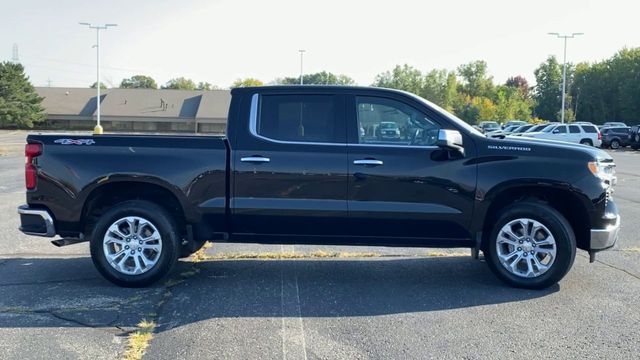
(75,141)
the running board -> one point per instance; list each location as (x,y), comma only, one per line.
(67,241)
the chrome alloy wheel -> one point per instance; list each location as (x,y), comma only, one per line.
(526,248)
(132,245)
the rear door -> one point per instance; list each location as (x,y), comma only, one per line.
(575,134)
(400,186)
(290,166)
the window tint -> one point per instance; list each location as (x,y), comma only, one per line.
(302,118)
(590,129)
(386,121)
(574,129)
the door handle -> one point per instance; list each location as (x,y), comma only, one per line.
(370,162)
(255,159)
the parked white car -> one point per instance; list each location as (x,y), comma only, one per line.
(586,134)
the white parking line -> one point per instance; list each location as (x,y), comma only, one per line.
(293,338)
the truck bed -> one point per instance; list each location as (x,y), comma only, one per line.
(193,168)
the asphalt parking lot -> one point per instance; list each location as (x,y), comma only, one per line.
(391,303)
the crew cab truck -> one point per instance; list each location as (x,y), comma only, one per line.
(295,168)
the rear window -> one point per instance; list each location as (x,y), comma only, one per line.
(590,129)
(574,129)
(300,118)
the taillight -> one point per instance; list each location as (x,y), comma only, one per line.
(30,172)
(599,135)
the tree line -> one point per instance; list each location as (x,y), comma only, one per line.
(607,90)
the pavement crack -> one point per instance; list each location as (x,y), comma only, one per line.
(616,268)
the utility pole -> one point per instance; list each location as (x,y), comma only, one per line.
(15,58)
(564,68)
(301,64)
(97,130)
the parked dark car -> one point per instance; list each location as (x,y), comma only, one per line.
(615,137)
(634,137)
(296,168)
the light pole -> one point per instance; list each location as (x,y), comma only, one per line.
(564,67)
(301,63)
(97,130)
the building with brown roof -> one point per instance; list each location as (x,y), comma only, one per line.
(137,110)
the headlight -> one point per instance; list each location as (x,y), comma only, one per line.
(605,171)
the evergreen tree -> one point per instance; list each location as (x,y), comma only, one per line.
(20,105)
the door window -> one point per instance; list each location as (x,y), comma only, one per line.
(560,130)
(389,122)
(300,118)
(574,129)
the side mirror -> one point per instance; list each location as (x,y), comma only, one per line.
(450,140)
(556,131)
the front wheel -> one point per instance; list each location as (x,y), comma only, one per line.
(135,243)
(615,144)
(531,246)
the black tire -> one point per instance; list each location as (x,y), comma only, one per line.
(615,144)
(166,228)
(559,228)
(586,142)
(188,249)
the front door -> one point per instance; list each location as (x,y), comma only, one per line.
(290,166)
(400,183)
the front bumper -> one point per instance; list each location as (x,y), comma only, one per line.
(37,222)
(602,239)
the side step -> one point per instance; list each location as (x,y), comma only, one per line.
(68,241)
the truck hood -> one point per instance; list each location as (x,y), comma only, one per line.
(533,143)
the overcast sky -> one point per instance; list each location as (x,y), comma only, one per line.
(220,41)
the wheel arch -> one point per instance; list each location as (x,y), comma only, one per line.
(573,205)
(108,193)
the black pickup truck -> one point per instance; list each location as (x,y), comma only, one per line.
(308,165)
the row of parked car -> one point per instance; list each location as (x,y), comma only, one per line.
(610,135)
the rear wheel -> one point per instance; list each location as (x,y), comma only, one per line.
(615,144)
(586,142)
(531,246)
(135,243)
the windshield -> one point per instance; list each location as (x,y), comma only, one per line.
(490,125)
(388,125)
(456,120)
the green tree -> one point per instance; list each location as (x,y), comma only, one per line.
(246,82)
(319,78)
(475,79)
(102,85)
(512,104)
(547,89)
(451,96)
(139,82)
(180,83)
(403,77)
(20,105)
(206,86)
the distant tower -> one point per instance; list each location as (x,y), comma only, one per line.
(15,58)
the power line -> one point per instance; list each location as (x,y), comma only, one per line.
(83,64)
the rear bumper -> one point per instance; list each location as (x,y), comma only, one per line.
(38,222)
(602,239)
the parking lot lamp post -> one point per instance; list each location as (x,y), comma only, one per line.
(97,130)
(301,62)
(564,68)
